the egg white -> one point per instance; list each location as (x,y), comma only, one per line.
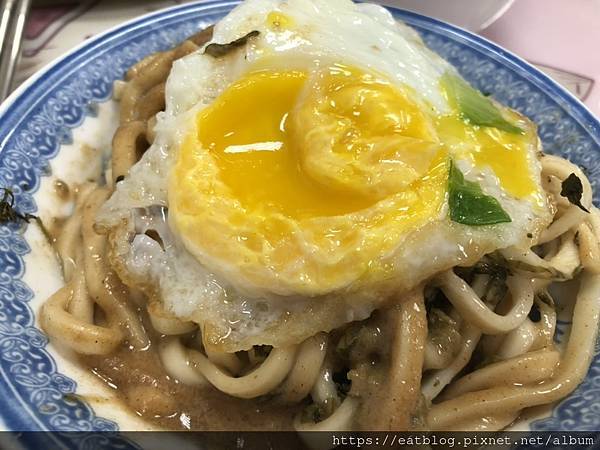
(320,32)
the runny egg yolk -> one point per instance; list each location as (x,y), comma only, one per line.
(319,145)
(505,153)
(301,181)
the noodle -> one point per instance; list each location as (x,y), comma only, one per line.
(82,337)
(437,381)
(589,249)
(102,283)
(175,360)
(68,315)
(487,423)
(70,238)
(228,361)
(474,311)
(496,359)
(392,407)
(324,389)
(151,103)
(156,72)
(571,371)
(305,372)
(516,370)
(128,140)
(260,381)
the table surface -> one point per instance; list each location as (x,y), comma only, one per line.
(560,37)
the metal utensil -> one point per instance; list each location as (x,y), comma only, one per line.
(12,27)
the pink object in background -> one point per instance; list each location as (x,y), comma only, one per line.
(560,37)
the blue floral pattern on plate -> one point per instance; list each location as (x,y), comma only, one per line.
(33,395)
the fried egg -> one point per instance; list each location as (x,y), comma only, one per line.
(303,178)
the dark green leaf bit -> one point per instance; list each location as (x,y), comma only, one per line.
(218,50)
(469,205)
(8,213)
(572,189)
(474,106)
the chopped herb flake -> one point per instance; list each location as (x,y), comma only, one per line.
(572,189)
(217,50)
(8,213)
(469,205)
(474,106)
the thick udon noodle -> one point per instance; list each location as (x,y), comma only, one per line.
(495,357)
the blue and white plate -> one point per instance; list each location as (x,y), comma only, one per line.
(65,114)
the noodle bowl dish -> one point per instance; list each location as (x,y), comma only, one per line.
(308,215)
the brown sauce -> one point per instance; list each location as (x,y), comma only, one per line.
(143,386)
(62,190)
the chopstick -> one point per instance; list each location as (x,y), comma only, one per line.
(12,28)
